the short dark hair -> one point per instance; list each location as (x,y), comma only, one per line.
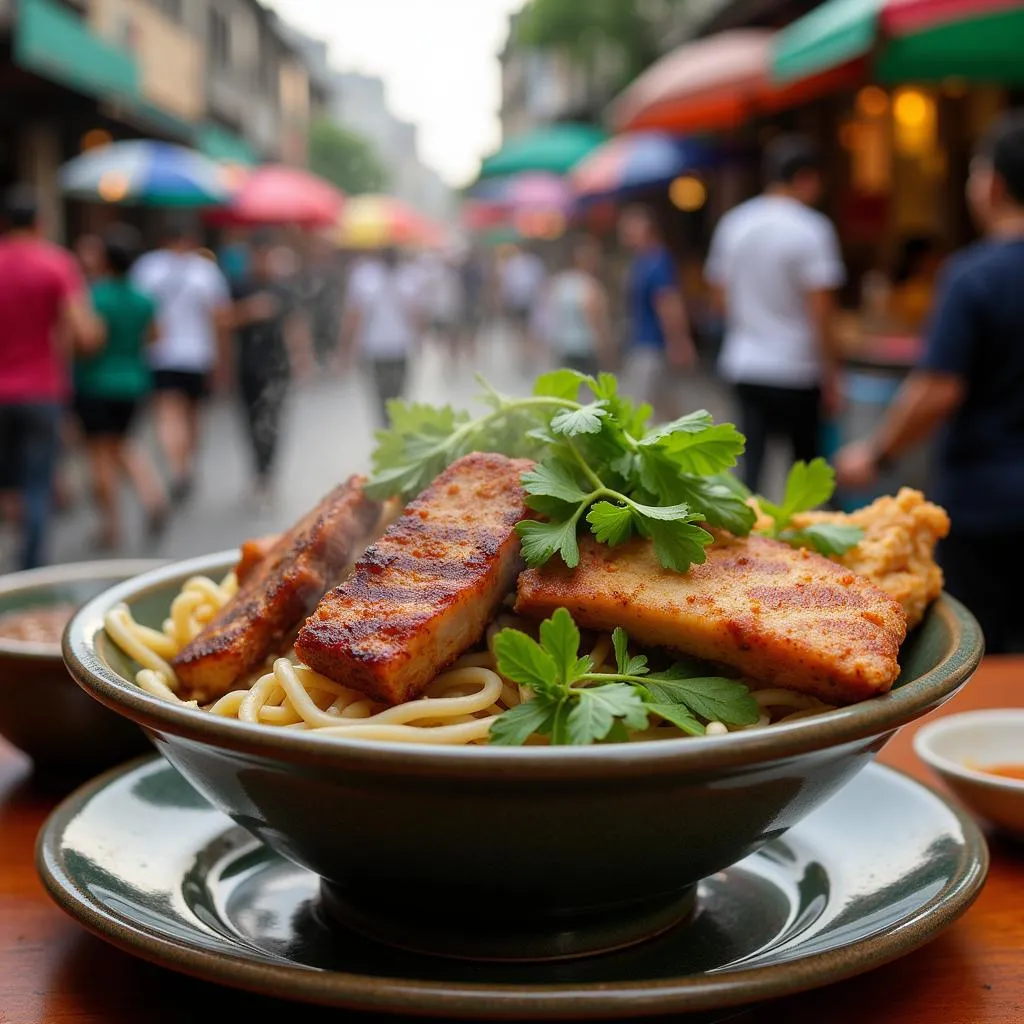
(21,208)
(122,244)
(1003,148)
(788,156)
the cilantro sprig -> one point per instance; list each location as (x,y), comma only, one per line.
(809,485)
(600,465)
(573,704)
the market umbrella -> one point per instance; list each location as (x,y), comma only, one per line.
(145,172)
(707,85)
(631,163)
(373,221)
(906,40)
(276,194)
(554,148)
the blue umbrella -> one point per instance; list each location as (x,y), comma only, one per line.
(146,173)
(632,163)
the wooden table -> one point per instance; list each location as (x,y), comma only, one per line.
(52,970)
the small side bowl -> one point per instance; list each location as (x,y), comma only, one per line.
(42,712)
(959,747)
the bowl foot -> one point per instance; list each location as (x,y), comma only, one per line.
(449,932)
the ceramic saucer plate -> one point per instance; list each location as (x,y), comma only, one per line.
(140,858)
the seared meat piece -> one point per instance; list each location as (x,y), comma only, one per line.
(425,591)
(278,593)
(780,616)
(253,551)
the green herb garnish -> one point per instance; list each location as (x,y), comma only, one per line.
(809,485)
(599,464)
(573,704)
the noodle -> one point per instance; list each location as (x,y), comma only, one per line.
(457,708)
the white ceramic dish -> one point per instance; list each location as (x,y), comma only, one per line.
(959,748)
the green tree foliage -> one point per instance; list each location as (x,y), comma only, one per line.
(344,158)
(627,31)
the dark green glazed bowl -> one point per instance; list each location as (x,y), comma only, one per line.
(42,712)
(505,853)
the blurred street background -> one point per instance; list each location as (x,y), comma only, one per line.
(233,230)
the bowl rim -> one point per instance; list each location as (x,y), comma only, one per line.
(20,581)
(872,718)
(927,734)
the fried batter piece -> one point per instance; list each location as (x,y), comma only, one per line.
(424,592)
(781,616)
(252,552)
(278,592)
(898,550)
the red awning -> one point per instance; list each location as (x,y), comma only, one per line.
(714,83)
(904,17)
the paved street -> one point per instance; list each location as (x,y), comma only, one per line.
(328,435)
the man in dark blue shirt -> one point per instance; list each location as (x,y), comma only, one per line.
(969,388)
(660,345)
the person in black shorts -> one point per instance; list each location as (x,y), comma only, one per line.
(111,385)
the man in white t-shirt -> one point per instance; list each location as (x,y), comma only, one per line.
(775,264)
(193,318)
(381,323)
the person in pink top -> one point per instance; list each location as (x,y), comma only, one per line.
(45,316)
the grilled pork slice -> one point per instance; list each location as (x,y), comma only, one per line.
(252,552)
(278,593)
(255,549)
(425,591)
(780,616)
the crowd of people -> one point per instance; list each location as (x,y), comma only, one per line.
(86,340)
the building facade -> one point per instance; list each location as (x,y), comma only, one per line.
(223,76)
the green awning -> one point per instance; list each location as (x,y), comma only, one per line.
(555,148)
(220,144)
(910,41)
(54,43)
(834,33)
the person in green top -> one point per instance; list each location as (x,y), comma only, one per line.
(111,386)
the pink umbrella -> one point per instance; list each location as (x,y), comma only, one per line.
(538,191)
(275,194)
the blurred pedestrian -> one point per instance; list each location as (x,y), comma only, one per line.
(775,264)
(89,253)
(193,311)
(522,280)
(321,296)
(577,323)
(46,316)
(473,284)
(382,325)
(968,389)
(268,354)
(111,385)
(660,353)
(441,301)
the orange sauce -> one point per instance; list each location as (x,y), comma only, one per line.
(1006,771)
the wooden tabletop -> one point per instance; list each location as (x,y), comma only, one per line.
(52,970)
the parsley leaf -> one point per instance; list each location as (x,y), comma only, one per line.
(708,450)
(524,661)
(540,541)
(512,728)
(597,708)
(713,698)
(825,538)
(611,524)
(721,505)
(560,638)
(679,544)
(568,710)
(562,383)
(627,666)
(584,420)
(554,480)
(808,485)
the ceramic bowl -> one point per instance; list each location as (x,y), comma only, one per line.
(511,853)
(959,748)
(42,712)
